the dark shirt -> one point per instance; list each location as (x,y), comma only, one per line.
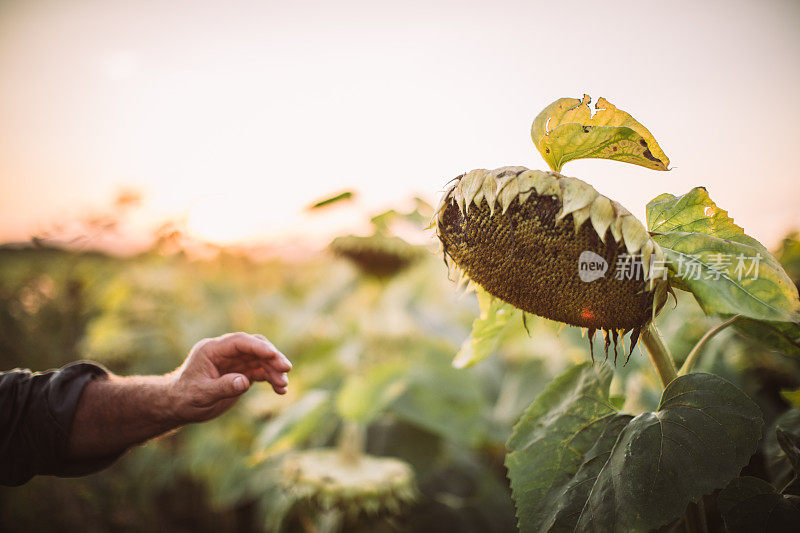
(36,413)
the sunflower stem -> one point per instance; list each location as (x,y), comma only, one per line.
(694,517)
(694,355)
(659,355)
(352,439)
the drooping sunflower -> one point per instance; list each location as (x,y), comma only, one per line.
(361,484)
(377,255)
(552,246)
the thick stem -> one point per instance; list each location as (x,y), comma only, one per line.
(352,440)
(659,355)
(694,355)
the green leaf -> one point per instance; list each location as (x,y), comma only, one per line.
(661,460)
(783,337)
(750,505)
(782,465)
(790,444)
(566,130)
(325,202)
(445,401)
(563,437)
(575,462)
(294,425)
(728,272)
(792,396)
(364,396)
(486,330)
(788,253)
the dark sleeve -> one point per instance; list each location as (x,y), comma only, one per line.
(36,413)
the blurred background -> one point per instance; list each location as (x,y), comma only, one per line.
(159,167)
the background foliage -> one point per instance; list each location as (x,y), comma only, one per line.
(363,349)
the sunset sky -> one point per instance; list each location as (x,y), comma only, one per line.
(232,116)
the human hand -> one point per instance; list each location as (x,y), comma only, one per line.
(219,370)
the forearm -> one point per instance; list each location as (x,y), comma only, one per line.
(116,413)
(79,419)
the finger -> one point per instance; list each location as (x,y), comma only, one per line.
(243,364)
(282,363)
(279,387)
(278,379)
(227,386)
(255,368)
(236,344)
(258,374)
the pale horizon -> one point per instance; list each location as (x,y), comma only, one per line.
(232,118)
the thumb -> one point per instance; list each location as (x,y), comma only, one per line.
(229,386)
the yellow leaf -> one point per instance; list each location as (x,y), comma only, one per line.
(566,130)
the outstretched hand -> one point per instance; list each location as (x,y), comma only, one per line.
(219,370)
(117,412)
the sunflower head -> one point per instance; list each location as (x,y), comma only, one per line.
(367,484)
(553,246)
(378,255)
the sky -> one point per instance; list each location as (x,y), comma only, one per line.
(231,117)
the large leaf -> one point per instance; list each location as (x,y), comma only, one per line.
(486,330)
(662,461)
(751,505)
(576,463)
(570,427)
(566,130)
(728,272)
(783,337)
